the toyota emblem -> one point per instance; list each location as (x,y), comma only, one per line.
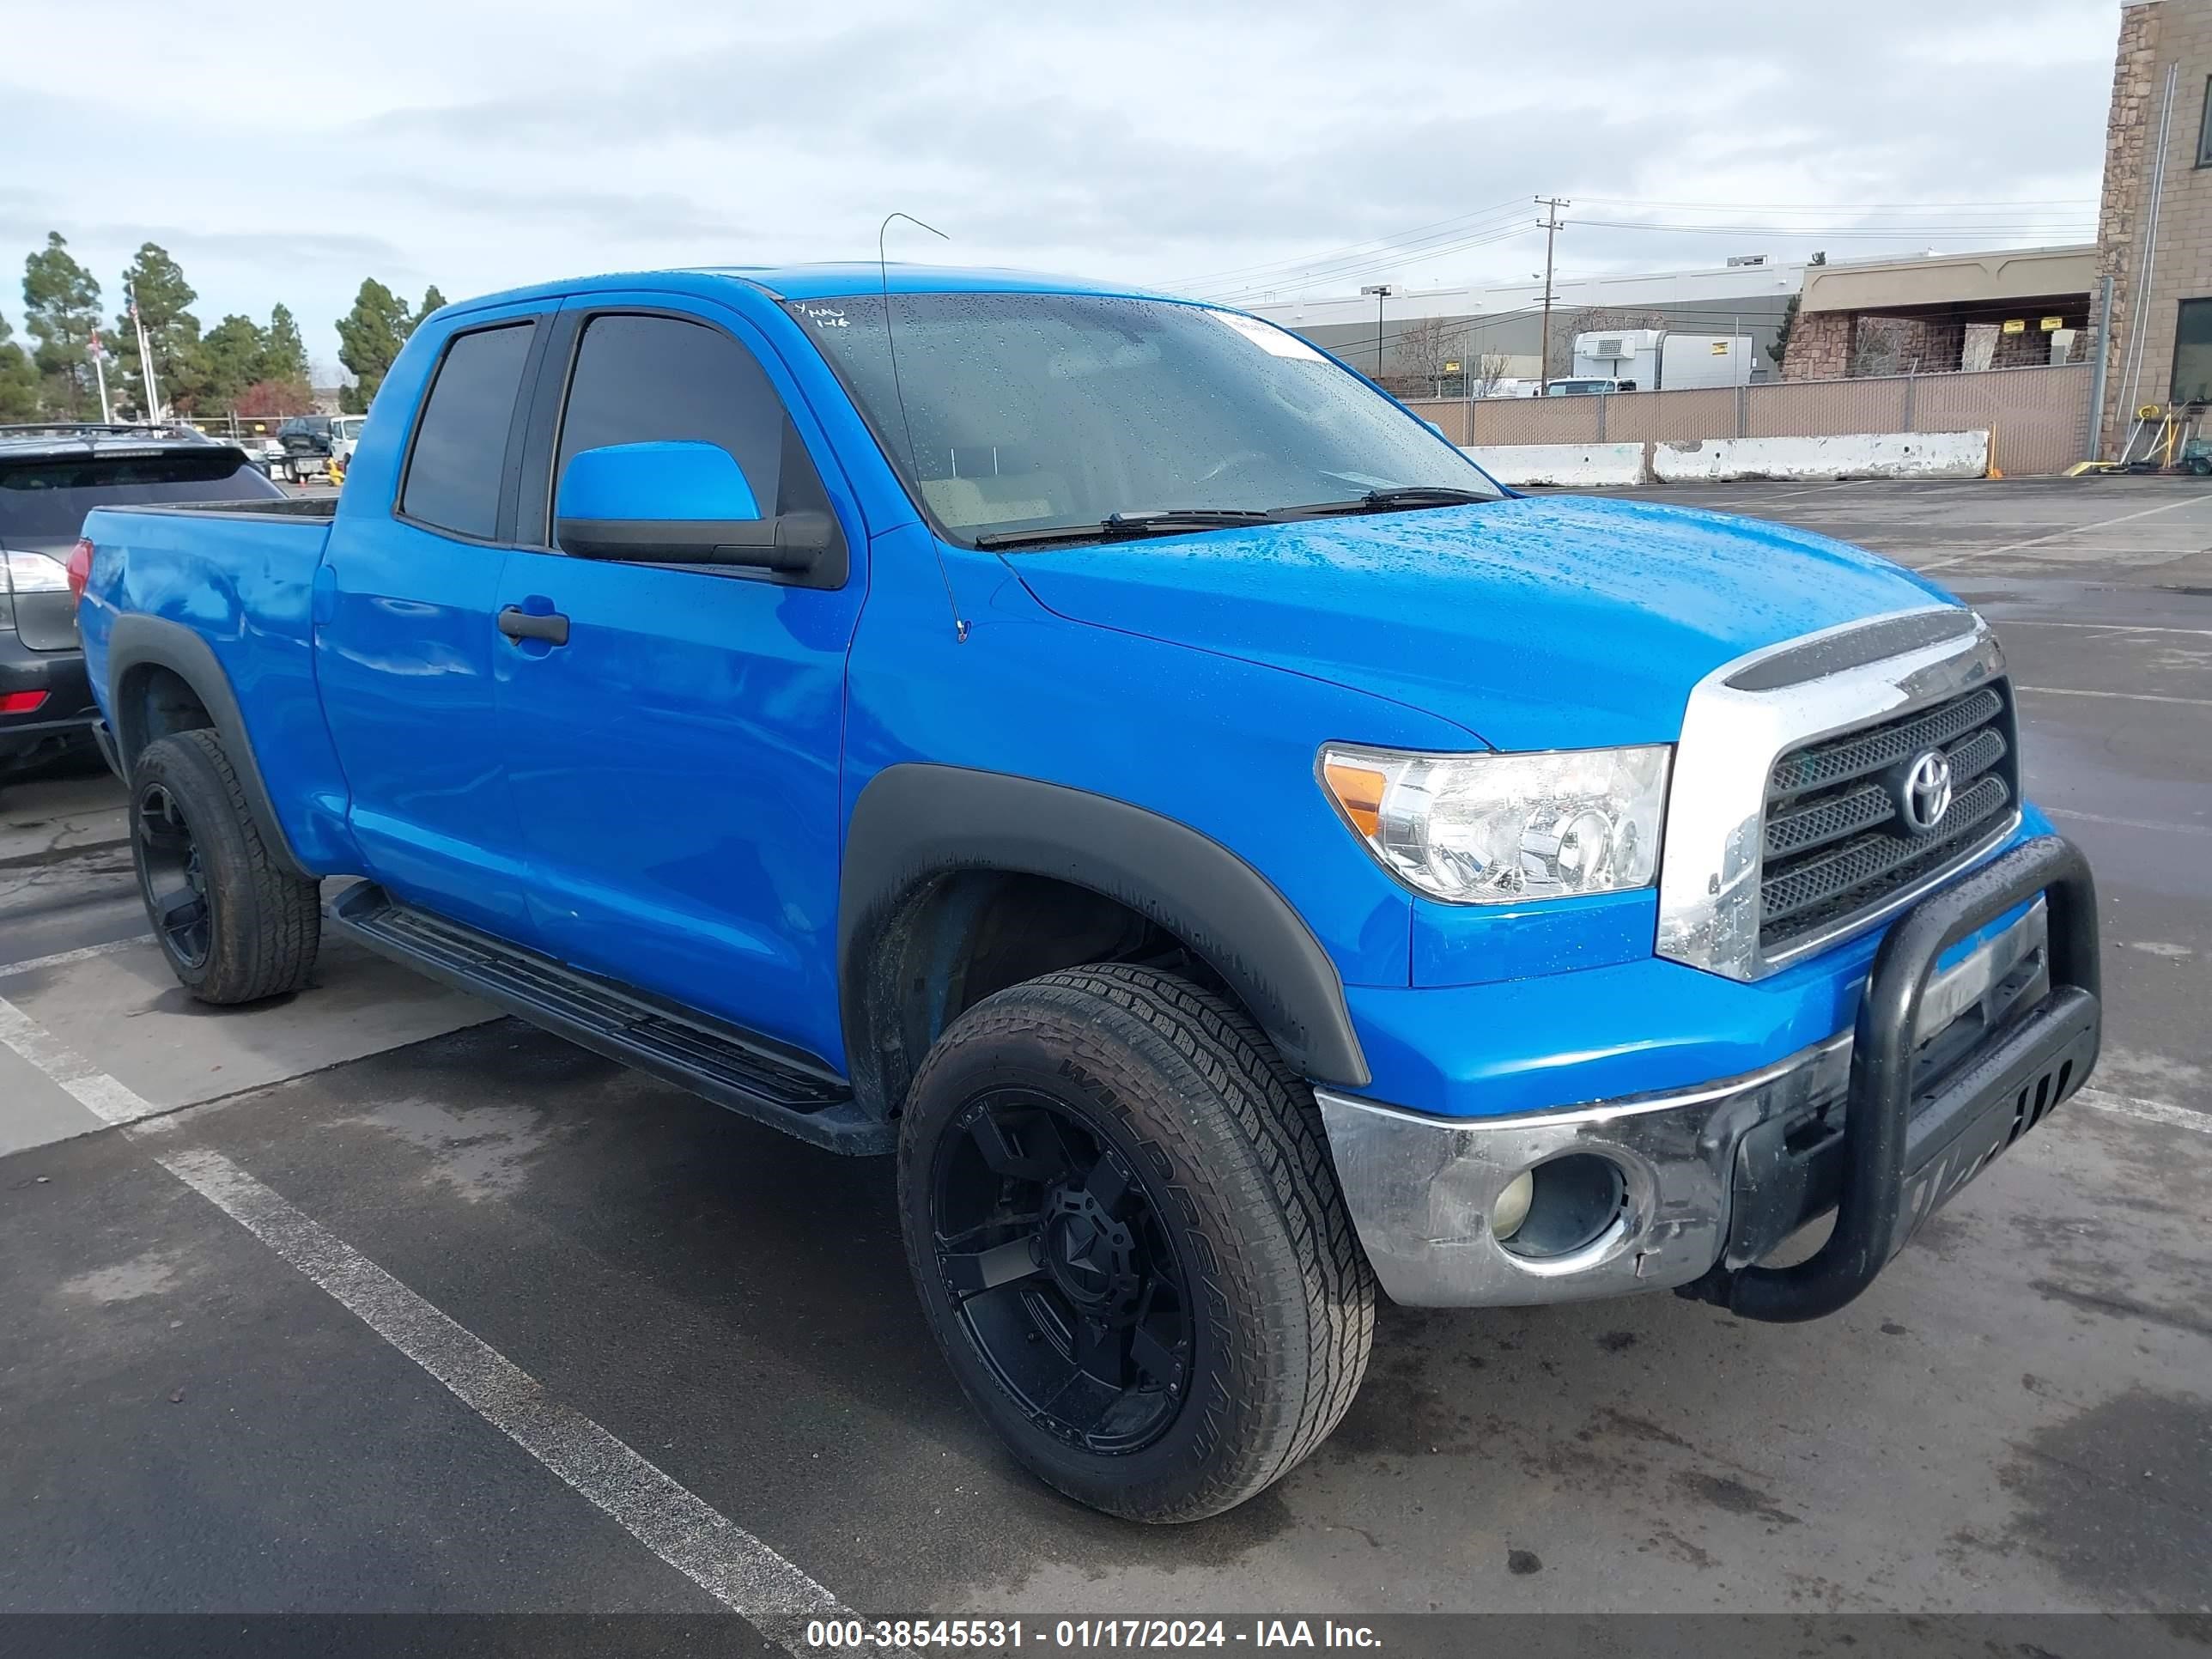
(1926,796)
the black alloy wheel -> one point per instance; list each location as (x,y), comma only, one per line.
(1060,1272)
(172,876)
(234,925)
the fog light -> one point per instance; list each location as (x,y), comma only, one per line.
(1512,1207)
(1569,1204)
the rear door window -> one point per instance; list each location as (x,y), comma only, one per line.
(456,467)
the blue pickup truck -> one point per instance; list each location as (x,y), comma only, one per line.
(1101,751)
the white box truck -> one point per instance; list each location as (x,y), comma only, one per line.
(1657,360)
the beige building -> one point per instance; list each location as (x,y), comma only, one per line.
(2154,223)
(2011,309)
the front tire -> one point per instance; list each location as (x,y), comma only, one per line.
(1124,1225)
(234,925)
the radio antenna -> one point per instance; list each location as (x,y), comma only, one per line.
(898,391)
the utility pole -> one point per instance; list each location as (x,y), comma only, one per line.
(1382,291)
(1551,224)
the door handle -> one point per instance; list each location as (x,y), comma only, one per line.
(520,624)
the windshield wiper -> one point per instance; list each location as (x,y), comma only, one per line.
(1120,526)
(1402,498)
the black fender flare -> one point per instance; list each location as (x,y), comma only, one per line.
(915,822)
(140,642)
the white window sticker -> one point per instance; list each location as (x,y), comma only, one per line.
(1275,342)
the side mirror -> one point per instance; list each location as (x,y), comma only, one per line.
(678,503)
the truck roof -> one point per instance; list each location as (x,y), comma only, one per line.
(841,279)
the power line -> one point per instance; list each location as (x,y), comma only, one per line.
(1344,271)
(1843,207)
(1422,248)
(1920,229)
(1373,243)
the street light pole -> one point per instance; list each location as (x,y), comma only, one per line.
(1382,291)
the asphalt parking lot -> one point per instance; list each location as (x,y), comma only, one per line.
(200,1414)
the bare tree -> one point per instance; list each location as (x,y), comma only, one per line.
(1421,351)
(1490,373)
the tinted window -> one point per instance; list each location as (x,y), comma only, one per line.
(2192,353)
(657,379)
(46,499)
(460,442)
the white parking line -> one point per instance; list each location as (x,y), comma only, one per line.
(732,1565)
(82,953)
(2151,1111)
(71,1072)
(2106,628)
(2061,535)
(2117,696)
(2130,824)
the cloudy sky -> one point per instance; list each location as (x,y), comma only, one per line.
(1227,148)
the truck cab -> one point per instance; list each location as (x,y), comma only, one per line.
(1094,748)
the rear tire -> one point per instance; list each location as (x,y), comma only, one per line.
(1112,1126)
(234,925)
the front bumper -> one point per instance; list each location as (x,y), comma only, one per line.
(1883,1123)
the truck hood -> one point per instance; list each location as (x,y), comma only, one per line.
(1554,623)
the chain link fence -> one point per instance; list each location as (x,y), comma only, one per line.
(2038,418)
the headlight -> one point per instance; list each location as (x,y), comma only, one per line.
(1503,829)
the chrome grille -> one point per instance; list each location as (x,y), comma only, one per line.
(1836,845)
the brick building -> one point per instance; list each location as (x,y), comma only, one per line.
(2161,345)
(2010,309)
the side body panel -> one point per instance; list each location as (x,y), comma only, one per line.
(242,587)
(674,766)
(405,642)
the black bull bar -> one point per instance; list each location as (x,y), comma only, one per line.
(1906,1151)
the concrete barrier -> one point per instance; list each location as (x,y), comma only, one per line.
(1853,455)
(1561,464)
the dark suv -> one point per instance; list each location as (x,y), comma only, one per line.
(50,477)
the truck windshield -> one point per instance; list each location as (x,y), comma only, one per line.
(1034,411)
(45,499)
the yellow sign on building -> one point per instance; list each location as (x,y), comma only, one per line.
(2015,325)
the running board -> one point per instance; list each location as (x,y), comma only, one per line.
(691,1050)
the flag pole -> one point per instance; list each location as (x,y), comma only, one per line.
(145,361)
(100,372)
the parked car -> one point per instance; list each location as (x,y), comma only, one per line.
(50,477)
(1586,387)
(1098,749)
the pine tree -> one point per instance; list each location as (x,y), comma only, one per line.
(163,297)
(230,358)
(61,310)
(284,354)
(19,378)
(370,336)
(432,300)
